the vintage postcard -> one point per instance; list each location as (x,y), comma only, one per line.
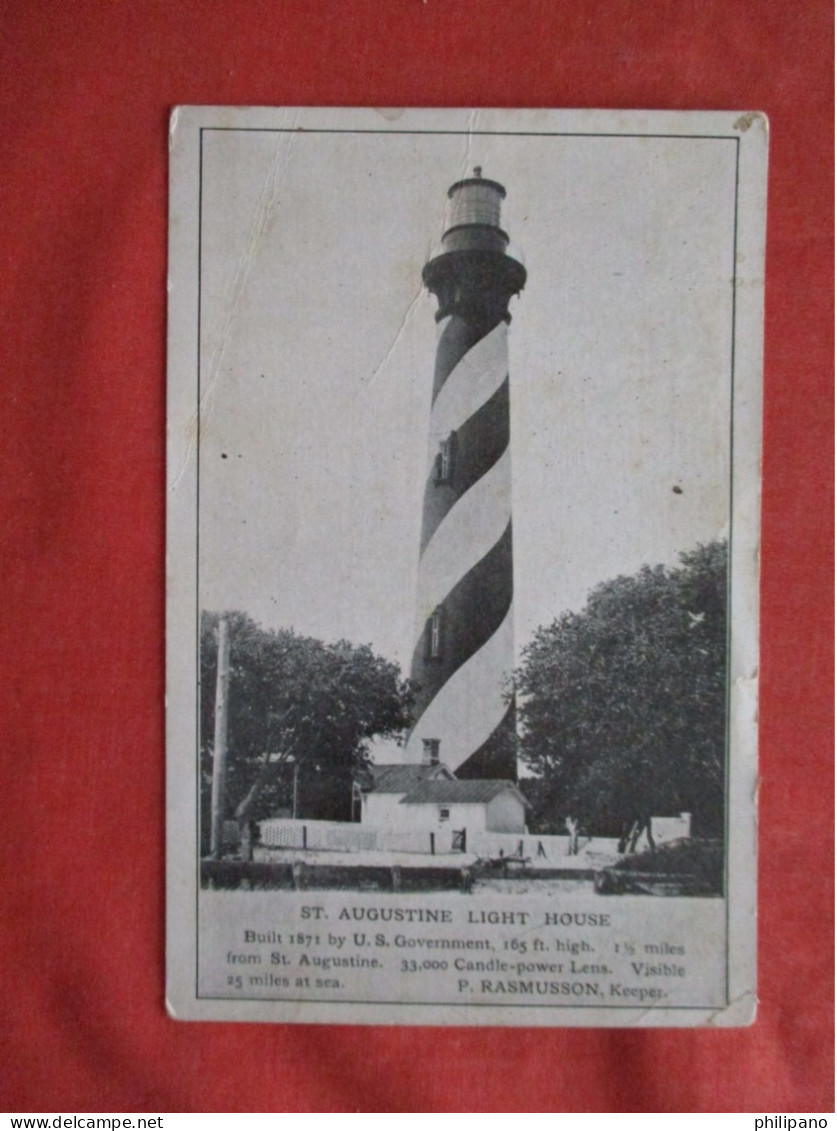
(463,528)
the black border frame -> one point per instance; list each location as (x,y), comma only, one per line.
(301,130)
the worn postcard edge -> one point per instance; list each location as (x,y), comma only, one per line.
(750,129)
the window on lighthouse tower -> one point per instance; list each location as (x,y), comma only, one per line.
(445,459)
(434,635)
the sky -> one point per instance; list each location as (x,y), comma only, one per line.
(317,352)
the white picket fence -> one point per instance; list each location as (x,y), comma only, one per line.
(344,837)
(519,844)
(335,835)
(338,836)
(439,842)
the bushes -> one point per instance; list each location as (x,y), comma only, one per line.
(683,867)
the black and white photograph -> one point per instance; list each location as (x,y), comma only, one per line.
(463,501)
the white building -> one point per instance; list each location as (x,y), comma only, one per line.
(429,798)
(488,805)
(390,784)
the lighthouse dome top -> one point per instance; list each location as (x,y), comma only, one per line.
(475,200)
(474,257)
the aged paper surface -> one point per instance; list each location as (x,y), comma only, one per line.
(463,501)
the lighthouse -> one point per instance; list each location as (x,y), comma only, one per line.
(464,646)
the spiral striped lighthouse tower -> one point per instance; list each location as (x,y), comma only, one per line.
(464,642)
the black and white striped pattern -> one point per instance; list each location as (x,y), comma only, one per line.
(464,648)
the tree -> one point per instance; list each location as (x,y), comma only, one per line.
(301,713)
(623,705)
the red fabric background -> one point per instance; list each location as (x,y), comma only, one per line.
(85,90)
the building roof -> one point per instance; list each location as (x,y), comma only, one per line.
(470,792)
(396,777)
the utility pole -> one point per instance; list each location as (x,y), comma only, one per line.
(219,759)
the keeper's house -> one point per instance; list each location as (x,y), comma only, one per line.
(430,797)
(386,786)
